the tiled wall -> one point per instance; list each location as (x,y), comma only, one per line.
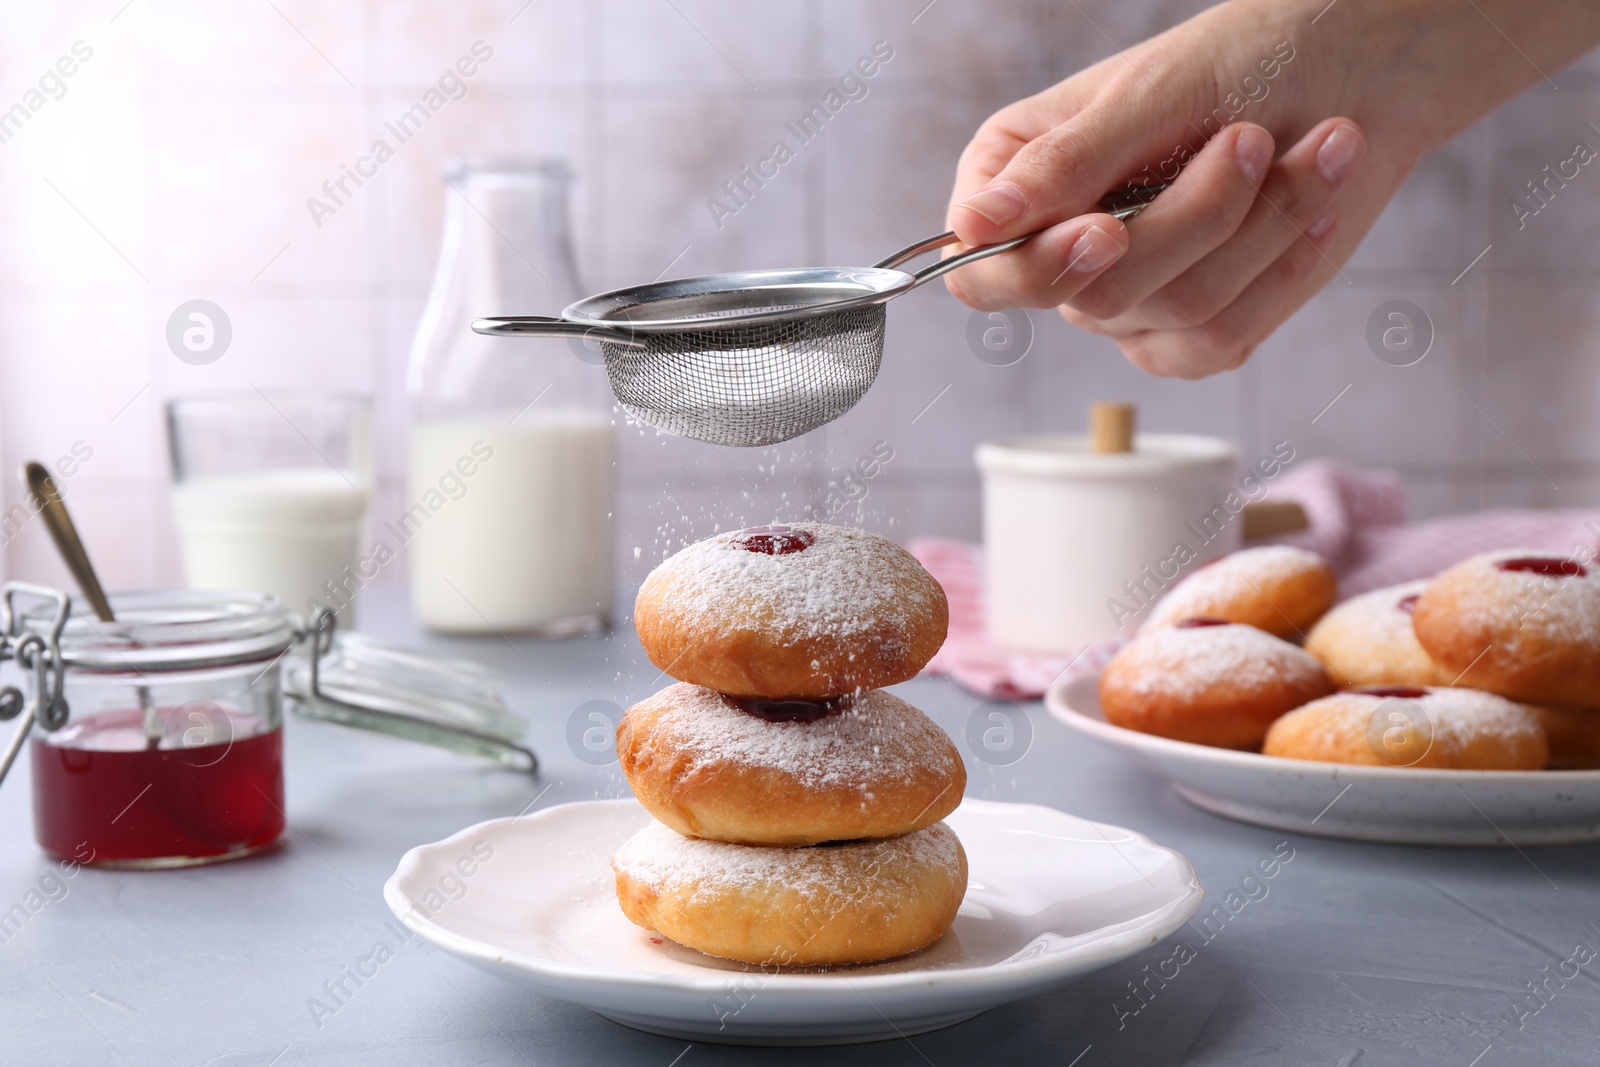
(178,162)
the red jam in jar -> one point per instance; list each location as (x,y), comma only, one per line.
(171,751)
(211,786)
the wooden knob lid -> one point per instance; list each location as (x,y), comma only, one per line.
(1111,427)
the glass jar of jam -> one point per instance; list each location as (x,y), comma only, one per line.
(158,738)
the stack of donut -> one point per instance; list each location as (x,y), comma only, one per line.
(798,805)
(1492,665)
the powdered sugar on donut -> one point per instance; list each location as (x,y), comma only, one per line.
(1186,662)
(1456,718)
(1518,605)
(877,740)
(1379,612)
(666,861)
(1383,625)
(848,582)
(1213,587)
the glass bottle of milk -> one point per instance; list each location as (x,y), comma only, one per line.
(508,516)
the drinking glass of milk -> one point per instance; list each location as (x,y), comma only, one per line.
(270,491)
(508,518)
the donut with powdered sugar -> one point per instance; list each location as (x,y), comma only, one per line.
(1523,623)
(763,772)
(1208,681)
(1277,588)
(1405,726)
(1574,736)
(804,610)
(1368,640)
(826,905)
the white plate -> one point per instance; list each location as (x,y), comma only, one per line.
(1050,897)
(1400,804)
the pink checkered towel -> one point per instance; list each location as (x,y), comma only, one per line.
(1357,523)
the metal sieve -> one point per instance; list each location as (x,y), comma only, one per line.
(757,357)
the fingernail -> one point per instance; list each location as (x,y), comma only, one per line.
(1094,249)
(1340,153)
(1322,223)
(1000,203)
(1253,149)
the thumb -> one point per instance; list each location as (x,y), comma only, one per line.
(1060,174)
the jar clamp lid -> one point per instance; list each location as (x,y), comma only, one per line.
(357,681)
(344,678)
(37,652)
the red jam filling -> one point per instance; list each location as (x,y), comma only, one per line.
(1550,566)
(773,540)
(787,710)
(1194,624)
(1399,692)
(1409,604)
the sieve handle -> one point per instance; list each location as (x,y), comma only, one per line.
(950,263)
(544,326)
(1122,204)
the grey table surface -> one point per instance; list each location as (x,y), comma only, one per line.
(1357,954)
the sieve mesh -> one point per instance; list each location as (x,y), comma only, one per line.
(754,357)
(749,385)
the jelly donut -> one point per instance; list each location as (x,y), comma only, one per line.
(1521,623)
(1368,640)
(1279,589)
(805,610)
(1209,682)
(1406,726)
(768,772)
(1574,735)
(854,902)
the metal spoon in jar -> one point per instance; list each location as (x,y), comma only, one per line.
(47,498)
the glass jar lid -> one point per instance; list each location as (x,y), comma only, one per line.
(339,677)
(355,680)
(170,630)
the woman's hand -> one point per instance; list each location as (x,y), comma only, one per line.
(1282,128)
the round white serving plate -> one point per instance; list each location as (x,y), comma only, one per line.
(1049,897)
(1397,804)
